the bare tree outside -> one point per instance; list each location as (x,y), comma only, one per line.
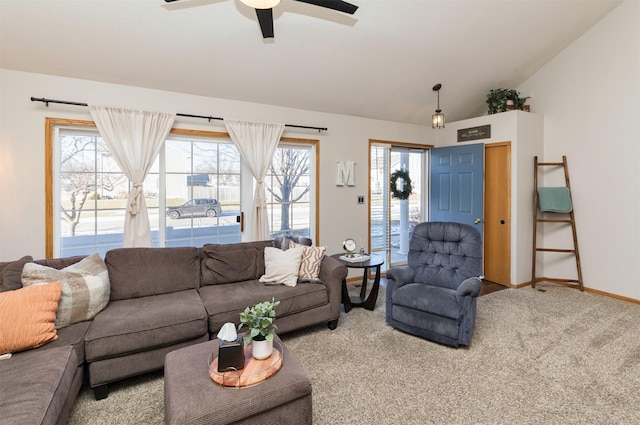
(288,166)
(80,176)
(220,159)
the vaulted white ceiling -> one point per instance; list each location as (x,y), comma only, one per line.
(380,63)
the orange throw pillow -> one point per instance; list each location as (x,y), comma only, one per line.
(27,317)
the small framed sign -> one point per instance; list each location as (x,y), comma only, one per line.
(474,133)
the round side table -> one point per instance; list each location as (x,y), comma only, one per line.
(361,300)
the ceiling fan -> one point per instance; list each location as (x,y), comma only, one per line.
(264,10)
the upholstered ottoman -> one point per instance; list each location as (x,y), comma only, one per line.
(191,397)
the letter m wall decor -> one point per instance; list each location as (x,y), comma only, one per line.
(346,173)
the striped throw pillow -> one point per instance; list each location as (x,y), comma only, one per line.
(311,261)
(85,288)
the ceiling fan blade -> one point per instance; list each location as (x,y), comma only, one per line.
(265,17)
(170,1)
(339,5)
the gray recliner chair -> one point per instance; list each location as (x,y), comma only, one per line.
(434,297)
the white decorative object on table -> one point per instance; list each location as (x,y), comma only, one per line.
(261,349)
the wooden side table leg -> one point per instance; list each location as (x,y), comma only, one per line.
(365,280)
(346,301)
(370,303)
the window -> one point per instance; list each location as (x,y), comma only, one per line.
(193,191)
(290,190)
(92,194)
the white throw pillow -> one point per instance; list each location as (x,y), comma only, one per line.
(281,266)
(85,288)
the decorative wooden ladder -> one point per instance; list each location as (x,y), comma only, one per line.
(539,217)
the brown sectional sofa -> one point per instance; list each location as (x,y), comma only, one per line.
(161,299)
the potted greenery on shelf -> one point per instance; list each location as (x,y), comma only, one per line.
(497,100)
(261,327)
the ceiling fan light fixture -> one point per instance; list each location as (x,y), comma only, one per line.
(437,119)
(261,4)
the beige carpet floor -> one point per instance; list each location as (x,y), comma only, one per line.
(553,357)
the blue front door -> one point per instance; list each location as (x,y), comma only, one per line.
(456,188)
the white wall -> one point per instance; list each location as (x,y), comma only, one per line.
(22,216)
(590,98)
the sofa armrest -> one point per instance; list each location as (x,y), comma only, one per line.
(469,287)
(332,273)
(396,277)
(399,276)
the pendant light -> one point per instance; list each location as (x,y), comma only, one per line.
(437,119)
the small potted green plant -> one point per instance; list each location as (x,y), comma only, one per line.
(498,99)
(259,320)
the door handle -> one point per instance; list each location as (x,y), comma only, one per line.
(477,220)
(240,219)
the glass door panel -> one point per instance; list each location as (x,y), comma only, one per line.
(391,219)
(202,192)
(379,231)
(405,213)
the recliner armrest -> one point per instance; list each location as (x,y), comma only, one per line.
(399,276)
(469,287)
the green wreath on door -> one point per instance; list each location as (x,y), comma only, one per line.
(406,187)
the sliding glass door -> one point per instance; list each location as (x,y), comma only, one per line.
(391,218)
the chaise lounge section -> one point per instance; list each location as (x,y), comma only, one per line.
(40,386)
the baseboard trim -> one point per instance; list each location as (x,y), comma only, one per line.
(586,289)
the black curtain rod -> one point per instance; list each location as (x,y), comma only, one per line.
(209,118)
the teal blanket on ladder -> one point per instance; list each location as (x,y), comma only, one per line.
(554,199)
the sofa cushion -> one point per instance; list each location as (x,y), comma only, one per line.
(445,254)
(10,273)
(141,272)
(60,263)
(140,324)
(85,287)
(431,299)
(225,302)
(281,267)
(226,263)
(27,316)
(284,241)
(35,385)
(72,335)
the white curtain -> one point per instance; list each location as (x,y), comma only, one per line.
(257,143)
(134,138)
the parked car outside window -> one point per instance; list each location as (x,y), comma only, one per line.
(195,207)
